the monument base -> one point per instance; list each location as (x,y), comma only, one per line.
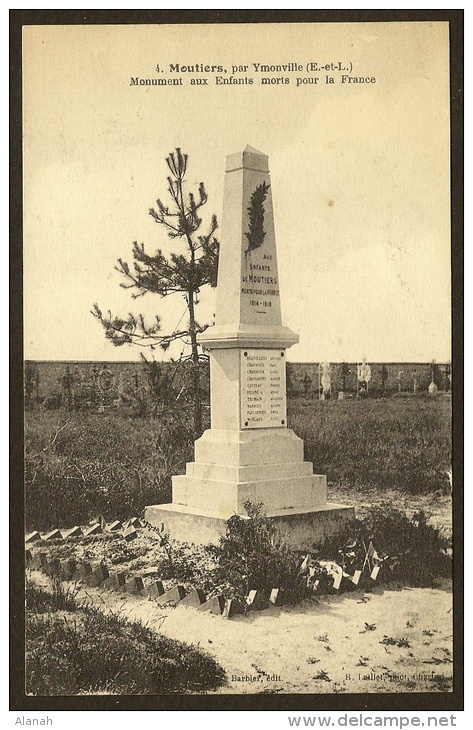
(299,529)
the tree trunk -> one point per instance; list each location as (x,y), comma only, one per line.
(195,369)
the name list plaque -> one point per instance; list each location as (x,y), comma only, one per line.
(262,389)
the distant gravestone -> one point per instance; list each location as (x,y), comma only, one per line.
(275,596)
(93,530)
(114,526)
(130,534)
(233,607)
(325,378)
(248,453)
(363,377)
(134,522)
(257,600)
(433,389)
(100,519)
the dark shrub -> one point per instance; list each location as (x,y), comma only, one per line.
(250,557)
(410,550)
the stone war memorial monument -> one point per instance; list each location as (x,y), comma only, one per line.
(249,453)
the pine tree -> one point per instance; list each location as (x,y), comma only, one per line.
(173,274)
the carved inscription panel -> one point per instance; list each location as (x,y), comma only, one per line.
(263,389)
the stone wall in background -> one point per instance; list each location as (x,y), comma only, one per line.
(303,377)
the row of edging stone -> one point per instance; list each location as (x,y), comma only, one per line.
(128,531)
(99,577)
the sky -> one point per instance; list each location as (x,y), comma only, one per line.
(359,172)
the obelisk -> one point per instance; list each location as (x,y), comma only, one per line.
(249,453)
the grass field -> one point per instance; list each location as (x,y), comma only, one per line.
(79,463)
(400,443)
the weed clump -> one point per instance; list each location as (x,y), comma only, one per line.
(39,600)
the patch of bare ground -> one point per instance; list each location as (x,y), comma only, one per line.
(386,640)
(437,506)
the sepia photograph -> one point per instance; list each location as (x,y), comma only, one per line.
(239,360)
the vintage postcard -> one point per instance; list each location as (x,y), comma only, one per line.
(238,365)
